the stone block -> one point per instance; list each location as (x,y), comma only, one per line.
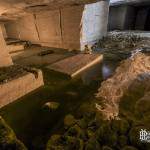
(74,65)
(16,88)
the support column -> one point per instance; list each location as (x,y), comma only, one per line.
(94,22)
(5,58)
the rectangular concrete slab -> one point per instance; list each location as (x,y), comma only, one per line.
(74,65)
(16,88)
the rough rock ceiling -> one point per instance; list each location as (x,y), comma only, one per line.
(13,9)
(130,2)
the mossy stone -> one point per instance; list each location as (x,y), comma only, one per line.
(120,126)
(92,144)
(122,140)
(106,148)
(75,131)
(129,148)
(69,120)
(8,139)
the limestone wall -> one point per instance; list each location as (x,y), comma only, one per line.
(23,29)
(57,28)
(48,28)
(22,85)
(5,59)
(12,29)
(117,17)
(71,26)
(141,19)
(94,22)
(126,17)
(61,28)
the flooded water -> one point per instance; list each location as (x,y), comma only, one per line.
(105,69)
(33,125)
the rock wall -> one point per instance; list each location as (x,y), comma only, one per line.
(117,17)
(94,22)
(5,59)
(141,18)
(14,9)
(57,28)
(113,89)
(61,28)
(23,29)
(22,85)
(122,17)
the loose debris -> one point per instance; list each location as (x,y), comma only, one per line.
(15,71)
(114,88)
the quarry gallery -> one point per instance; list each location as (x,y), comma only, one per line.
(74,74)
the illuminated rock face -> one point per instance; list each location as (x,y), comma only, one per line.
(113,89)
(5,59)
(94,23)
(68,27)
(12,9)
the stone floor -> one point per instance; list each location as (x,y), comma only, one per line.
(60,60)
(30,56)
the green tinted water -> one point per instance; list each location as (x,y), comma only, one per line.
(34,125)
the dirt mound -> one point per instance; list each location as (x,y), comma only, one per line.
(113,89)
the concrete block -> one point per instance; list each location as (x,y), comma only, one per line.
(74,65)
(16,88)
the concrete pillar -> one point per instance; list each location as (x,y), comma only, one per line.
(94,22)
(5,58)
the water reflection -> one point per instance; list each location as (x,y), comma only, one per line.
(92,73)
(106,68)
(106,71)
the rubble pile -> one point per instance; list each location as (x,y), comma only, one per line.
(113,89)
(120,41)
(15,71)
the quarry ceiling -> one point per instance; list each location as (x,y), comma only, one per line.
(13,9)
(129,2)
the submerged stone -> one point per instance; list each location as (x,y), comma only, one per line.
(106,148)
(129,148)
(92,144)
(69,120)
(72,94)
(51,106)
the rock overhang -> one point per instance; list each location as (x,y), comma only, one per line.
(14,9)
